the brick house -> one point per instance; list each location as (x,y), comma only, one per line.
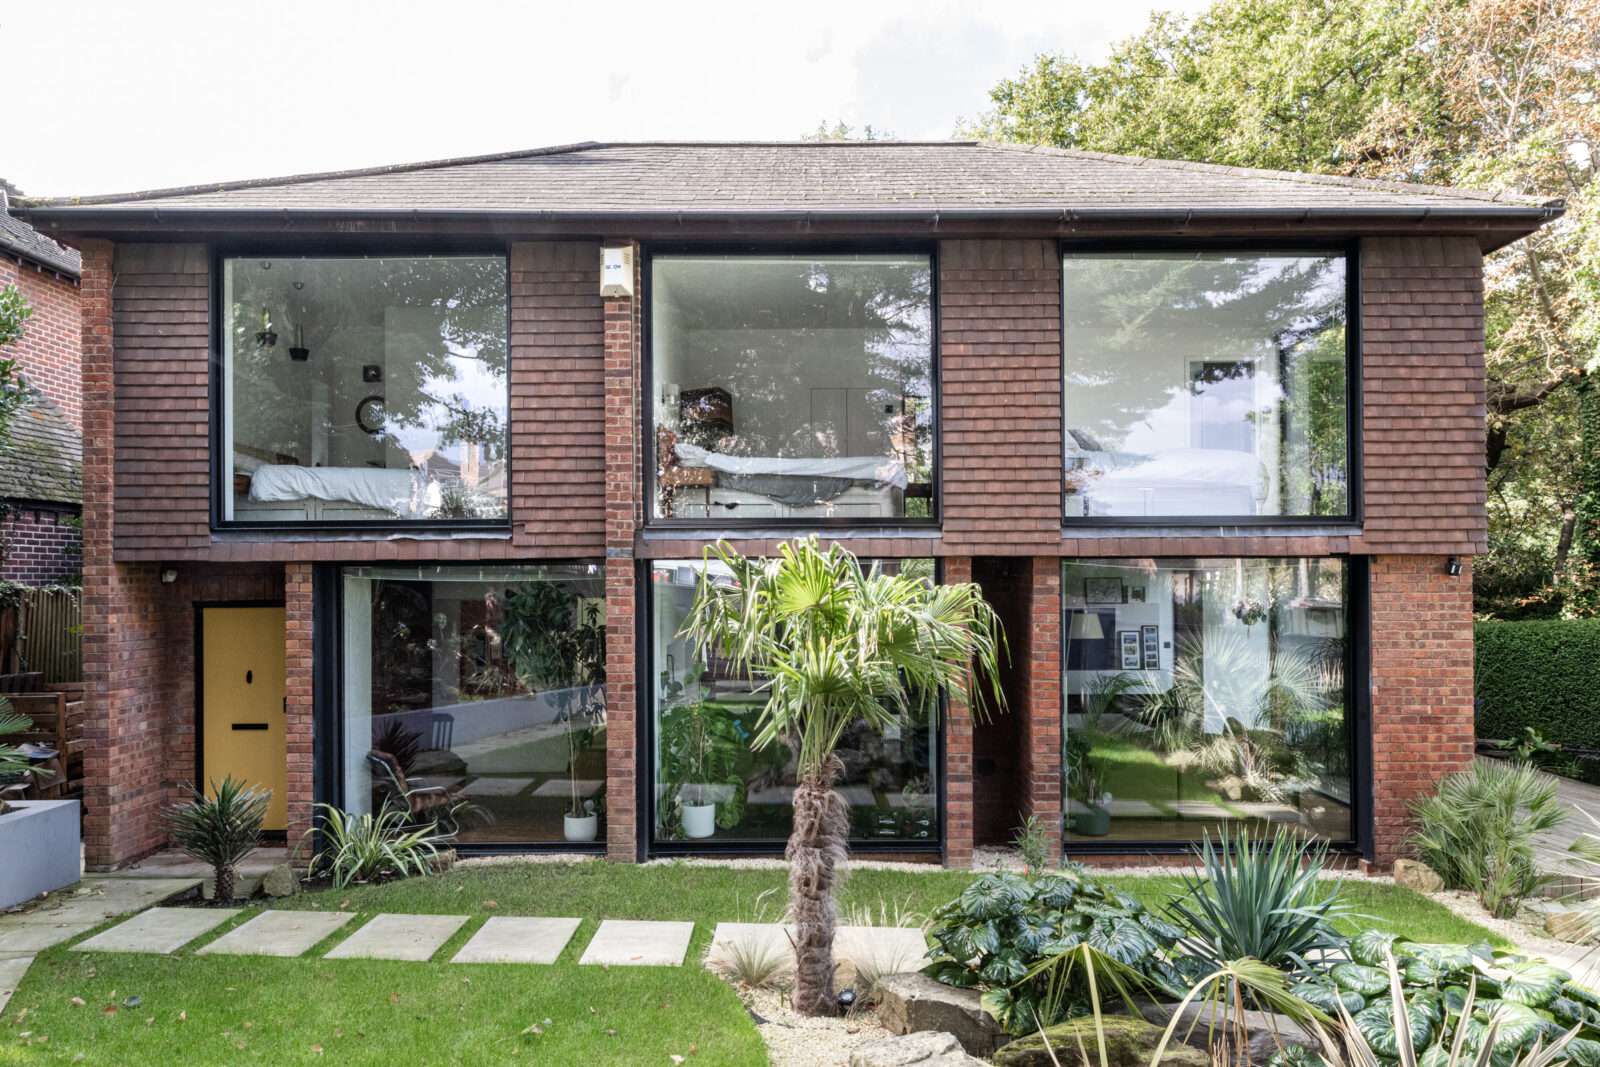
(41,487)
(398,482)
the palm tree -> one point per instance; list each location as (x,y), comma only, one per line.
(831,645)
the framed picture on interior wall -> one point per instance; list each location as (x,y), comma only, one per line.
(1136,594)
(1151,635)
(1128,642)
(1103,591)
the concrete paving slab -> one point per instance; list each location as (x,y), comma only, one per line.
(11,972)
(496,787)
(278,933)
(175,864)
(398,937)
(159,930)
(98,898)
(513,939)
(632,943)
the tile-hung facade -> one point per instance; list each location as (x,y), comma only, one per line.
(398,484)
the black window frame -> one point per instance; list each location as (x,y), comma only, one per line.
(646,407)
(650,847)
(1350,251)
(327,669)
(219,254)
(1357,707)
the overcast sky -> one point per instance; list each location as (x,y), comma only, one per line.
(114,96)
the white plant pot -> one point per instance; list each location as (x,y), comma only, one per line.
(582,827)
(699,820)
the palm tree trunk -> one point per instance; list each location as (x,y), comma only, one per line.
(816,848)
(224,883)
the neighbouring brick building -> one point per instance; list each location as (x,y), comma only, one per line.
(41,487)
(400,480)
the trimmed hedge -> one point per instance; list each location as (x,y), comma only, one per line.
(1543,673)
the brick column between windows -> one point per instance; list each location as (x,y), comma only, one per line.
(1041,756)
(622,520)
(1421,686)
(958,754)
(298,718)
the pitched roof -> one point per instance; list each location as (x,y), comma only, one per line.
(44,458)
(20,239)
(877,178)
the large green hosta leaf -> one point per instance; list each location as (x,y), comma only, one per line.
(1359,978)
(1295,1056)
(1529,982)
(1124,940)
(1519,1025)
(1055,892)
(1583,1052)
(1003,968)
(1368,947)
(1328,997)
(954,974)
(1582,994)
(1446,958)
(1376,1024)
(994,896)
(1029,932)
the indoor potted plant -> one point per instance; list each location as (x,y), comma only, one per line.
(557,643)
(701,745)
(1091,816)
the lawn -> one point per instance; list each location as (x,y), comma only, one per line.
(197,1011)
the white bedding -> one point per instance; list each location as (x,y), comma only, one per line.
(861,468)
(403,493)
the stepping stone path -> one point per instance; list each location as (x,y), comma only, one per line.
(883,949)
(95,901)
(508,939)
(159,930)
(631,943)
(398,937)
(278,933)
(11,972)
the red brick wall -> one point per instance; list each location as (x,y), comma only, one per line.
(48,349)
(1423,395)
(297,708)
(1041,715)
(1421,687)
(623,506)
(1000,395)
(39,545)
(958,739)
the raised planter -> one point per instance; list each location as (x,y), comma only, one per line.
(39,840)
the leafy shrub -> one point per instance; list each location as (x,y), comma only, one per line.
(1541,674)
(1033,843)
(14,766)
(220,830)
(362,848)
(1470,991)
(1003,927)
(1477,832)
(1266,903)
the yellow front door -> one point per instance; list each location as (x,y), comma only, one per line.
(241,702)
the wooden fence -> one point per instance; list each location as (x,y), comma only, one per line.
(51,641)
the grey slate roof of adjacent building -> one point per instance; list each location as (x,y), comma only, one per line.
(20,239)
(44,459)
(951,178)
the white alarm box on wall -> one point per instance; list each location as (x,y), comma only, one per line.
(616,271)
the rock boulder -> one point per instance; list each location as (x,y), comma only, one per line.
(914,1003)
(913,1050)
(1414,874)
(1130,1042)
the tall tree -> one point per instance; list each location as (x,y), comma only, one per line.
(831,645)
(1495,94)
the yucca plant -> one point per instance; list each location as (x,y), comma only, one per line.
(1478,831)
(1259,900)
(220,830)
(360,848)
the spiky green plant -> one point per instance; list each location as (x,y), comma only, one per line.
(221,829)
(13,764)
(1478,831)
(832,644)
(361,848)
(1261,900)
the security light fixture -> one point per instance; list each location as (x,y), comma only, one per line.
(1452,566)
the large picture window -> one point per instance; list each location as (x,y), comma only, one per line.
(710,786)
(792,387)
(1205,384)
(1203,694)
(359,390)
(478,692)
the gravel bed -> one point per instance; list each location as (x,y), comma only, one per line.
(795,1040)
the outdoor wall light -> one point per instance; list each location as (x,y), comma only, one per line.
(1452,566)
(169,575)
